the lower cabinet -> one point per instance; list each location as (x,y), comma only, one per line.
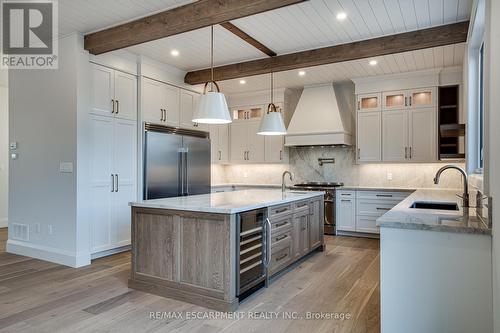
(296,230)
(358,211)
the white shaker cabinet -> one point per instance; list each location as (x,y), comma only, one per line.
(346,210)
(160,103)
(113,93)
(423,130)
(246,145)
(112,181)
(274,148)
(369,132)
(395,135)
(219,140)
(188,104)
(255,143)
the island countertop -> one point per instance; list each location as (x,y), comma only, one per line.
(465,220)
(228,202)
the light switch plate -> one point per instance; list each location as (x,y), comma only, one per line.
(14,156)
(66,167)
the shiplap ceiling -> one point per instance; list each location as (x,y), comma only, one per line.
(439,57)
(309,25)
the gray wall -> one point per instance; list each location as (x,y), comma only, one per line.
(4,162)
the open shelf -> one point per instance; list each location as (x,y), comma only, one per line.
(450,130)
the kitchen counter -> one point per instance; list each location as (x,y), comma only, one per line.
(372,188)
(461,221)
(228,202)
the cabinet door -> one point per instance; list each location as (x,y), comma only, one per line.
(421,98)
(102,91)
(152,101)
(224,143)
(423,135)
(394,100)
(187,101)
(256,143)
(214,144)
(125,96)
(304,233)
(346,214)
(315,231)
(274,148)
(100,164)
(369,134)
(124,166)
(297,236)
(171,102)
(239,140)
(369,102)
(395,135)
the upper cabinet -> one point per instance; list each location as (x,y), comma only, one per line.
(160,103)
(369,139)
(409,99)
(248,112)
(113,93)
(369,102)
(219,139)
(189,103)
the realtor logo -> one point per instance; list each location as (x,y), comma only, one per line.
(29,34)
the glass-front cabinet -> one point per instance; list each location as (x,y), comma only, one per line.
(409,99)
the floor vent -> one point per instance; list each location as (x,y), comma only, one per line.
(19,231)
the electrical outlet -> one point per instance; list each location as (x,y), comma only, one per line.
(50,229)
(389,176)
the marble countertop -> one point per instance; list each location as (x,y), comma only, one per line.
(228,202)
(461,221)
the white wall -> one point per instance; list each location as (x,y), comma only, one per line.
(43,121)
(492,119)
(4,162)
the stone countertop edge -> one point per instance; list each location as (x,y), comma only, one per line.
(464,221)
(224,204)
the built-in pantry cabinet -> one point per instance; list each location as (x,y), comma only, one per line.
(112,128)
(113,93)
(404,129)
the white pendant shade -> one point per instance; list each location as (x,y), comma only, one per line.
(272,124)
(212,109)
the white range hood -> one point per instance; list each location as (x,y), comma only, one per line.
(319,120)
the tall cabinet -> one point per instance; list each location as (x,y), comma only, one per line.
(113,156)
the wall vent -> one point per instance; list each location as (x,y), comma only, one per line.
(19,231)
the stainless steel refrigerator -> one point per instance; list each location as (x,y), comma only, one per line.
(176,162)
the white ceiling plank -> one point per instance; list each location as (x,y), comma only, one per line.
(464,10)
(400,61)
(368,15)
(436,8)
(410,61)
(458,56)
(428,58)
(409,15)
(418,56)
(450,11)
(382,16)
(438,56)
(354,15)
(422,13)
(448,54)
(395,15)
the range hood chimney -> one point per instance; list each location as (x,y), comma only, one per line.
(320,120)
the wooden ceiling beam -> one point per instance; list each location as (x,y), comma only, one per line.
(403,42)
(247,38)
(196,15)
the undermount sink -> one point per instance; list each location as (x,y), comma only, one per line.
(435,205)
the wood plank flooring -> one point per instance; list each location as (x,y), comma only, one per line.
(37,296)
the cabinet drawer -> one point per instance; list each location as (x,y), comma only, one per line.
(282,224)
(281,210)
(374,207)
(282,240)
(346,194)
(382,195)
(299,205)
(367,224)
(280,259)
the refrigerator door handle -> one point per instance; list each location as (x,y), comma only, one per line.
(186,177)
(181,175)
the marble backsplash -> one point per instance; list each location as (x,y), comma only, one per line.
(303,162)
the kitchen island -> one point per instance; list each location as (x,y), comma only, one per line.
(191,248)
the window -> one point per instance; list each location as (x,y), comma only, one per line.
(481,108)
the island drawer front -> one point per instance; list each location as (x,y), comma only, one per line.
(373,207)
(382,195)
(280,259)
(282,224)
(280,210)
(281,240)
(299,205)
(367,224)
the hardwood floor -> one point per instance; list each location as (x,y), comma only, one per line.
(37,296)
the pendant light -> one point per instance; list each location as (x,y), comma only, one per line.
(212,108)
(272,122)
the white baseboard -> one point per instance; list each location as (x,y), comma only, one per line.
(4,223)
(47,253)
(106,253)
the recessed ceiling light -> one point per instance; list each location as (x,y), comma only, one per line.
(243,81)
(341,16)
(302,73)
(373,62)
(174,53)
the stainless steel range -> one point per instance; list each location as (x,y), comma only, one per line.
(329,189)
